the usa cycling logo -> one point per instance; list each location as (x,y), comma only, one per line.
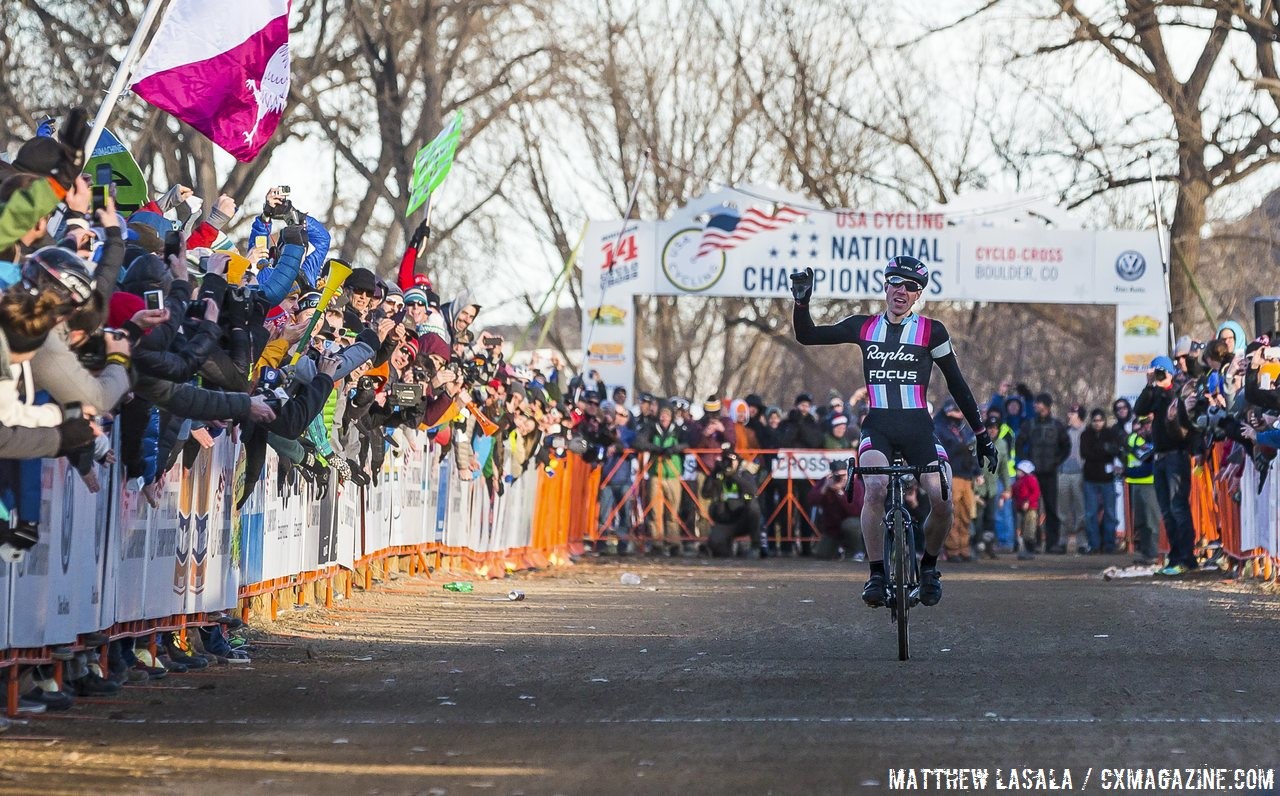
(1131,265)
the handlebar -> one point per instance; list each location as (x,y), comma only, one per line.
(895,470)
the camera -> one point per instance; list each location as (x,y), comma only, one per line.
(402,394)
(726,461)
(366,383)
(102,186)
(172,244)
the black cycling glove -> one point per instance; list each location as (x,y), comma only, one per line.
(987,456)
(802,285)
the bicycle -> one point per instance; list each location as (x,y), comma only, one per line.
(902,567)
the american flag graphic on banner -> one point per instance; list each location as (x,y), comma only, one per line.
(726,228)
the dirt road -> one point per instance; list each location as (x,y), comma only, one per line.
(710,677)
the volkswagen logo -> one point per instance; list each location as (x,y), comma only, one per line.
(1131,265)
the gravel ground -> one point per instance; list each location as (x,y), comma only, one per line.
(738,676)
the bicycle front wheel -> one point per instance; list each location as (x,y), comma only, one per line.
(902,559)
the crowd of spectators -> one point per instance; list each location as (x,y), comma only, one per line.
(138,340)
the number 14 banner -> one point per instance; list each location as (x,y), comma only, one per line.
(432,163)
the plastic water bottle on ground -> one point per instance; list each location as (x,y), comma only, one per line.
(630,579)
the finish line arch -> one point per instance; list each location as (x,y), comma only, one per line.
(973,253)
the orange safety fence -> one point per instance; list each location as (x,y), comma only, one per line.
(780,488)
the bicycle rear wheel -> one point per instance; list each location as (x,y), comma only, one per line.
(902,555)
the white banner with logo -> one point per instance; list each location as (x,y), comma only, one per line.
(847,250)
(614,271)
(108,556)
(807,464)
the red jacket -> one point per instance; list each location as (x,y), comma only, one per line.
(834,508)
(1026,492)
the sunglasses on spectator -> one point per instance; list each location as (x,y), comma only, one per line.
(361,292)
(415,303)
(908,285)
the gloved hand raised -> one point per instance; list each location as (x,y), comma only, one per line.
(802,285)
(987,456)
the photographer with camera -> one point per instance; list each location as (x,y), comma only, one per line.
(278,206)
(1171,468)
(839,519)
(730,493)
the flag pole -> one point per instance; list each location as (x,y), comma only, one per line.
(122,75)
(1164,255)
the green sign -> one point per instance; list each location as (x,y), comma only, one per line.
(131,188)
(432,163)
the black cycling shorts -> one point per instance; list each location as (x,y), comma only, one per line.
(908,432)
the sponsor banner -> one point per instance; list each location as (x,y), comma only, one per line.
(350,517)
(1052,266)
(847,251)
(807,464)
(109,557)
(57,586)
(616,262)
(129,550)
(1127,269)
(1141,336)
(166,582)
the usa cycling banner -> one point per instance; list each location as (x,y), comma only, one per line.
(847,249)
(746,243)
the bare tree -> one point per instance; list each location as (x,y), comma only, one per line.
(1218,113)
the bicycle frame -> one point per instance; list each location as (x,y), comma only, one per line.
(902,568)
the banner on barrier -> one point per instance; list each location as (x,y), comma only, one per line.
(108,556)
(810,464)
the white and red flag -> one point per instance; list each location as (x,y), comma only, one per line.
(222,67)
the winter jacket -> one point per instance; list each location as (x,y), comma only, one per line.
(17,405)
(957,438)
(800,430)
(313,264)
(57,370)
(1045,442)
(1026,492)
(664,442)
(1099,450)
(833,507)
(993,486)
(1167,435)
(20,442)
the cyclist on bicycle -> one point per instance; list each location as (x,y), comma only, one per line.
(899,349)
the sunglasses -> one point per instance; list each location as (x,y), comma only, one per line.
(362,292)
(909,285)
(415,303)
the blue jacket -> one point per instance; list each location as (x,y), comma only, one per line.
(319,239)
(275,281)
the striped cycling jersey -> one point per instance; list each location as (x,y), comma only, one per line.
(897,358)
